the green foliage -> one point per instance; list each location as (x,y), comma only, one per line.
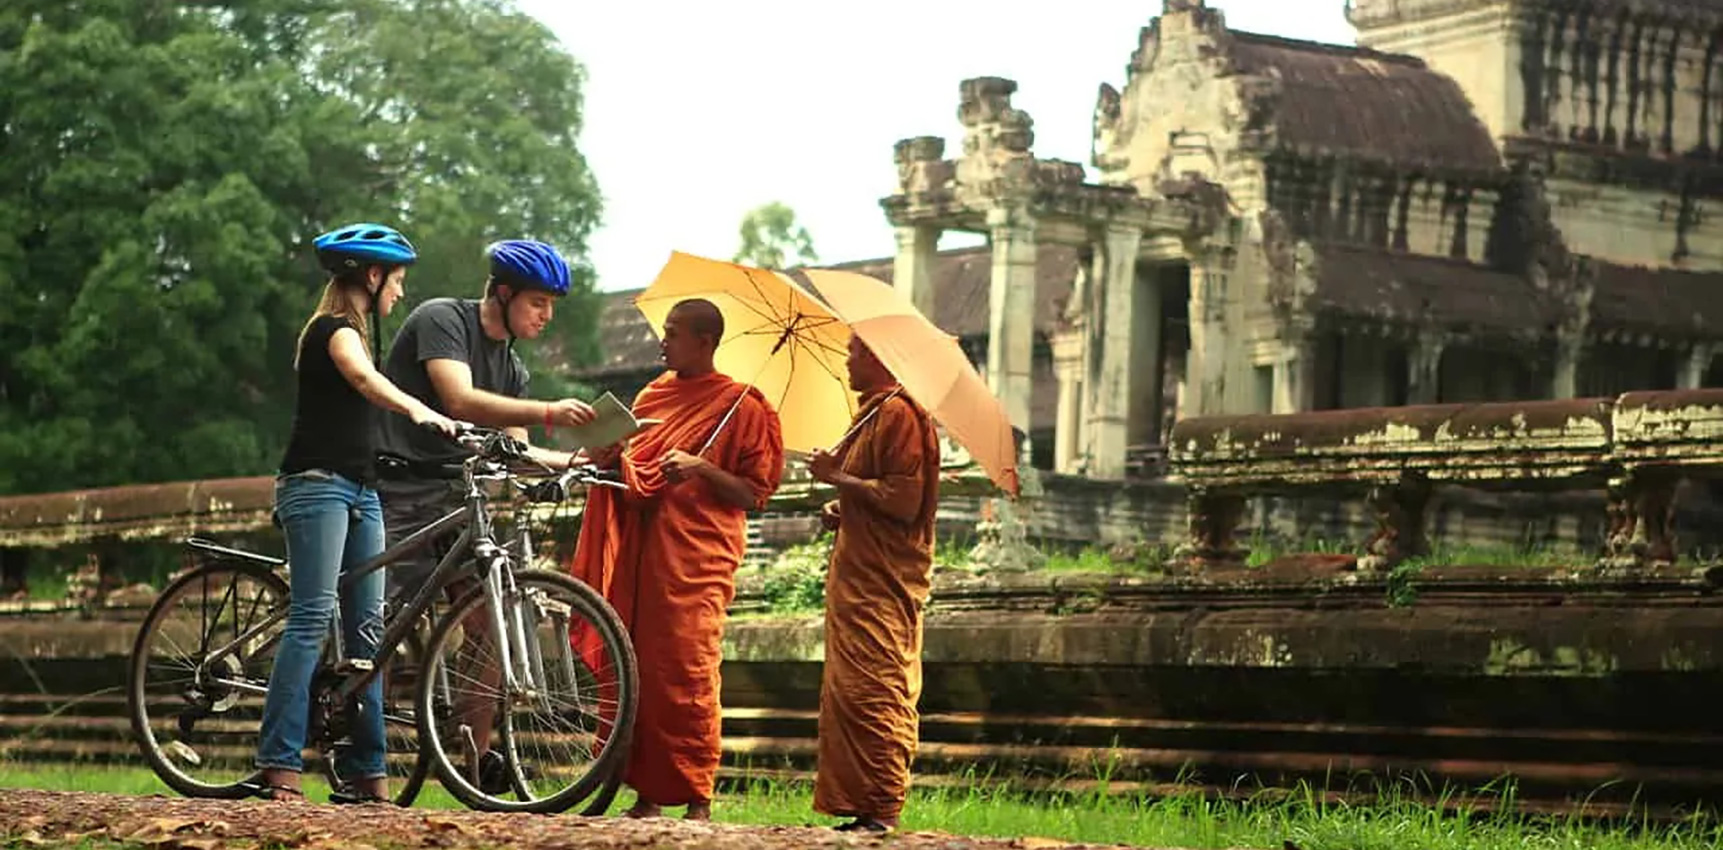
(796,582)
(771,238)
(163,168)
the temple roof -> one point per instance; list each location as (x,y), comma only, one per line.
(1365,104)
(962,280)
(1658,301)
(1414,289)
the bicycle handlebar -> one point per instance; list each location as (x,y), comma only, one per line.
(494,446)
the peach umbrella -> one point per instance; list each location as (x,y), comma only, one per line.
(776,336)
(928,363)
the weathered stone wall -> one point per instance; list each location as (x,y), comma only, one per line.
(1565,682)
(1079,512)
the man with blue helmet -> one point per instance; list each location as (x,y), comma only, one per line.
(457,356)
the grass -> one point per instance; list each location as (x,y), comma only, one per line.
(795,583)
(1305,818)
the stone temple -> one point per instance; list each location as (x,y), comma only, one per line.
(1485,200)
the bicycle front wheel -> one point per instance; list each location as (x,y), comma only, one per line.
(543,734)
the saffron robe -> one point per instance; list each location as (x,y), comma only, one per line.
(665,556)
(876,589)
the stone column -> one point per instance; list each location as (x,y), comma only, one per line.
(1424,369)
(1068,442)
(1693,371)
(1294,373)
(1011,312)
(1124,337)
(1565,383)
(912,273)
(1205,366)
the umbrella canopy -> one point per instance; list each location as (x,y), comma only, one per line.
(928,363)
(776,336)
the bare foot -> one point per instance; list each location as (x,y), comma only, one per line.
(698,811)
(642,809)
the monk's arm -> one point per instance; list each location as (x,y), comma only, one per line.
(897,493)
(731,489)
(759,462)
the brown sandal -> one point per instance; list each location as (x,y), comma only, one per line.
(278,792)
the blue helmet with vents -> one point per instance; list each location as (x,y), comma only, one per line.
(356,246)
(528,264)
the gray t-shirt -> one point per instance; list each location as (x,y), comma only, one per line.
(437,329)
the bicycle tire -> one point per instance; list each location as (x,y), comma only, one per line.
(408,791)
(615,639)
(135,698)
(422,765)
(135,675)
(600,804)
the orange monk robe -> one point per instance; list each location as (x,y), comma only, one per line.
(876,588)
(665,556)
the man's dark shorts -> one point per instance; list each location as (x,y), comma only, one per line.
(407,507)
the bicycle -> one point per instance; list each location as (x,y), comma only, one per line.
(203,723)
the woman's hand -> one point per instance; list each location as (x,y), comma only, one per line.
(436,421)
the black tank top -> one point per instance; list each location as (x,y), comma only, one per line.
(333,425)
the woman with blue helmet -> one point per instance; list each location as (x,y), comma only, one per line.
(327,506)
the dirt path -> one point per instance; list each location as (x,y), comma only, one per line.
(44,818)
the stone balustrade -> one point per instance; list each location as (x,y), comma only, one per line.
(176,510)
(1638,447)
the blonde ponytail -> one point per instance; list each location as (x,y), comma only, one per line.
(334,302)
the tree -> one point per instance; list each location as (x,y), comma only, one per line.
(476,112)
(163,168)
(770,236)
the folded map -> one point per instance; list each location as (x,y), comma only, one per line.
(614,422)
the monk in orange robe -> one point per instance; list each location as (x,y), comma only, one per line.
(665,552)
(887,478)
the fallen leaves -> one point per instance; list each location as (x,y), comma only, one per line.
(64,820)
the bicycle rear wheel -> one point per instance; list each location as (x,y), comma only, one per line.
(198,674)
(556,736)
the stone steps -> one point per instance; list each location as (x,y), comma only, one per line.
(1076,753)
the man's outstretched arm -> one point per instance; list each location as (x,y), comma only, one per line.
(453,381)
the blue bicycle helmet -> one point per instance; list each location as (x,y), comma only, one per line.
(528,264)
(356,246)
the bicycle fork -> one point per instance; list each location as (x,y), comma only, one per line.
(509,622)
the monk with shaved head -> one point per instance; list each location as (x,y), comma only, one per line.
(887,480)
(665,552)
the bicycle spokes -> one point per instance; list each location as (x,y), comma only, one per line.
(200,671)
(526,727)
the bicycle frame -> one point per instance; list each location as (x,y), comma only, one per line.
(475,525)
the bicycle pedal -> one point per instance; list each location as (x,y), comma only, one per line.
(354,665)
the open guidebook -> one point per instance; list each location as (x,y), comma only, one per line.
(613,422)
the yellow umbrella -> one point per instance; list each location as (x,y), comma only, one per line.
(776,337)
(928,363)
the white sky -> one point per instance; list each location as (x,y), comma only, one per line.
(697,111)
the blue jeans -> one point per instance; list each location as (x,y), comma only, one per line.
(333,525)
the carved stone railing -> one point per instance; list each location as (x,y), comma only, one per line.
(179,509)
(1636,447)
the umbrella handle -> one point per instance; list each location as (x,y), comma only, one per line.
(722,422)
(713,437)
(864,420)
